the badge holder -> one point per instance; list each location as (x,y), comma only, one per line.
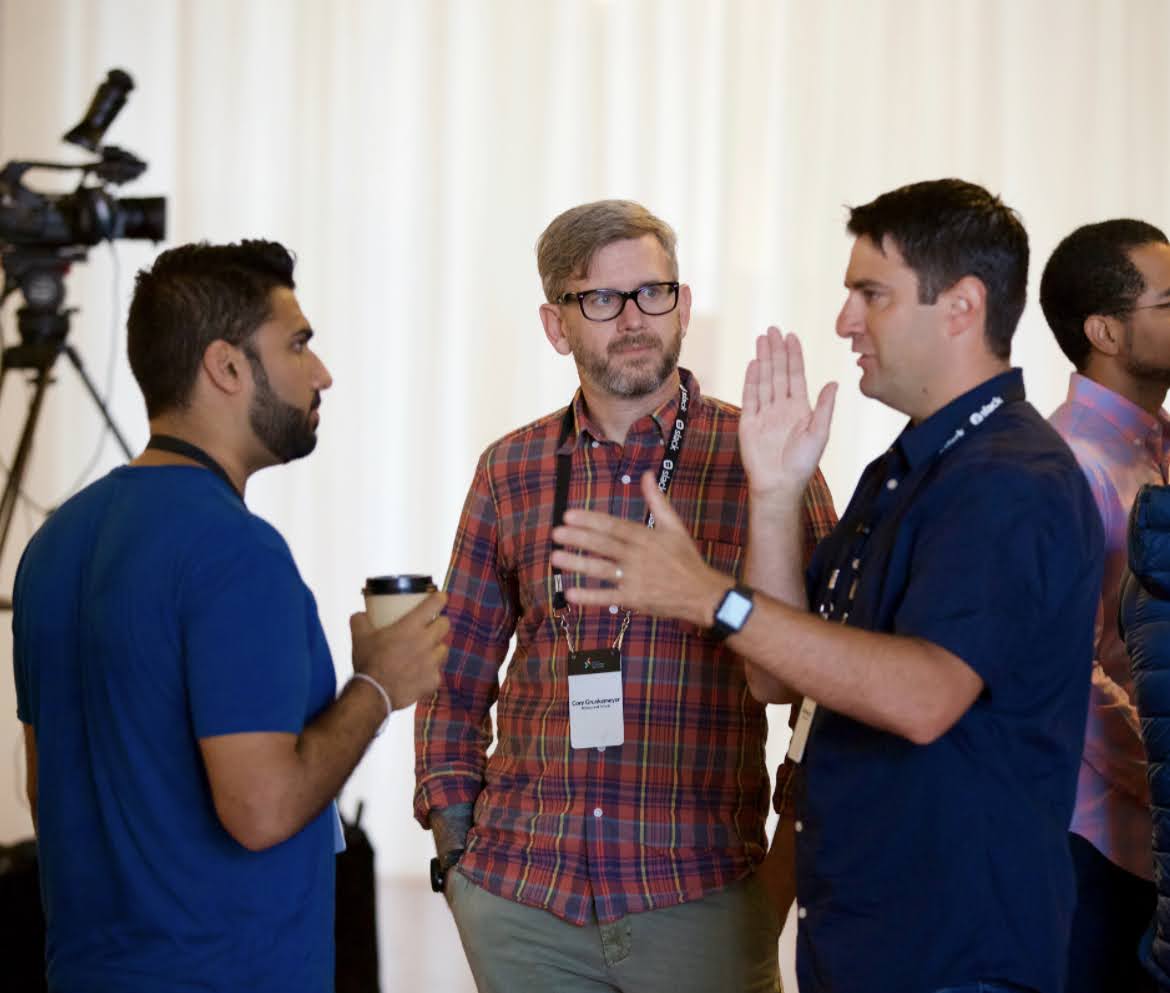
(596,716)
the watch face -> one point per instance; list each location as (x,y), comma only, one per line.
(734,609)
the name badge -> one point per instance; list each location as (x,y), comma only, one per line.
(808,707)
(595,699)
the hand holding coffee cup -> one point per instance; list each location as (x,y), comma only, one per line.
(400,640)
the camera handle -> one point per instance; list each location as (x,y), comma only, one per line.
(40,356)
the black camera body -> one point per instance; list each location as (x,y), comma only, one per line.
(87,216)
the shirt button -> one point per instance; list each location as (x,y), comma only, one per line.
(597,811)
(613,608)
(802,912)
(891,484)
(626,479)
(799,826)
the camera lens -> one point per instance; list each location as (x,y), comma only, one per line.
(144,218)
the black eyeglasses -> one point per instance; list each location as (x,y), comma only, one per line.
(653,299)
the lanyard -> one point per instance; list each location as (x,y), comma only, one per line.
(177,446)
(837,597)
(565,470)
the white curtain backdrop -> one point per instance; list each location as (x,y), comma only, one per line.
(411,151)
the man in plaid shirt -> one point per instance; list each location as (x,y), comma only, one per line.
(613,849)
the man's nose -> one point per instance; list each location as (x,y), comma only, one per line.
(323,379)
(629,316)
(849,319)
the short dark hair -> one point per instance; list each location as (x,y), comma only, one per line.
(194,295)
(946,229)
(1090,272)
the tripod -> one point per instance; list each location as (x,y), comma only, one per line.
(44,329)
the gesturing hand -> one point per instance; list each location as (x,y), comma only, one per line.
(781,439)
(655,570)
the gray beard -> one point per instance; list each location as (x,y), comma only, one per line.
(631,382)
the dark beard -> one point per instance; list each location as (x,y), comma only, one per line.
(1139,369)
(282,428)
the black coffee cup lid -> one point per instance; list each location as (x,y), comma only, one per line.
(406,583)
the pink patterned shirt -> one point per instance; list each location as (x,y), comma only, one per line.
(1119,446)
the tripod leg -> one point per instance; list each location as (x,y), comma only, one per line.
(96,397)
(20,462)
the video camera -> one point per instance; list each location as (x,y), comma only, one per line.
(41,234)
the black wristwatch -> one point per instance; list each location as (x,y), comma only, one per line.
(732,613)
(441,865)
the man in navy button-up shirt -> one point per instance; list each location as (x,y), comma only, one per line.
(945,628)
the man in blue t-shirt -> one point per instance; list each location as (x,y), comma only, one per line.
(944,628)
(183,741)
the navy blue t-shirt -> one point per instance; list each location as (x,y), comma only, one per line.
(152,610)
(921,867)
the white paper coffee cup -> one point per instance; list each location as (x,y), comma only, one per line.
(389,597)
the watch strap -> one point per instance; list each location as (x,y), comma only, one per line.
(441,865)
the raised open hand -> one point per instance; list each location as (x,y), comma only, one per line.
(781,439)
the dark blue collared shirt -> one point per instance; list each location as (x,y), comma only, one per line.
(926,866)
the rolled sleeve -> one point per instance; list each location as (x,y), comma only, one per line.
(454,728)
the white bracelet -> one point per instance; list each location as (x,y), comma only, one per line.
(385,697)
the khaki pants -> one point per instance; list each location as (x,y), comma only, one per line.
(723,943)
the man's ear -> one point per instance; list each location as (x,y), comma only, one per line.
(554,328)
(965,306)
(1105,334)
(224,365)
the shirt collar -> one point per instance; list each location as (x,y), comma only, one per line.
(947,426)
(1134,424)
(661,418)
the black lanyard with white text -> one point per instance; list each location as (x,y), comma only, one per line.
(177,446)
(846,577)
(666,473)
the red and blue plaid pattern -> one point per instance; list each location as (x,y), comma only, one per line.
(679,809)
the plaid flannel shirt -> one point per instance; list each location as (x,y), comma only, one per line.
(679,809)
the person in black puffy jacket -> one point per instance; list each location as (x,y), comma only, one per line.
(1144,618)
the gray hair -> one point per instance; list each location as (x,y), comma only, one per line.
(566,248)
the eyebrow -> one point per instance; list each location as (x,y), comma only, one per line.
(864,284)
